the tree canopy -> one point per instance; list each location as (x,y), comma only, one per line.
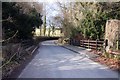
(88,18)
(14,18)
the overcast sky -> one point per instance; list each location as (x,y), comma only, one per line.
(52,9)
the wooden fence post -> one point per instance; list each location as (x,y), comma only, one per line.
(79,42)
(88,44)
(96,44)
(84,44)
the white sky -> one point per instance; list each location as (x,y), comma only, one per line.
(52,10)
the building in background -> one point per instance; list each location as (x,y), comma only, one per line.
(57,32)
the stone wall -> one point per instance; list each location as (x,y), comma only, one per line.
(112,32)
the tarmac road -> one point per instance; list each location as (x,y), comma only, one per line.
(54,61)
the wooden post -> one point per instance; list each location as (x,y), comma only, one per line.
(83,44)
(79,42)
(96,44)
(88,44)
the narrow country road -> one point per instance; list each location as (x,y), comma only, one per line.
(53,61)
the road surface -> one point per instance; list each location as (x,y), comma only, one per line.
(53,61)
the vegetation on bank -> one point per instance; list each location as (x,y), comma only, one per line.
(18,25)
